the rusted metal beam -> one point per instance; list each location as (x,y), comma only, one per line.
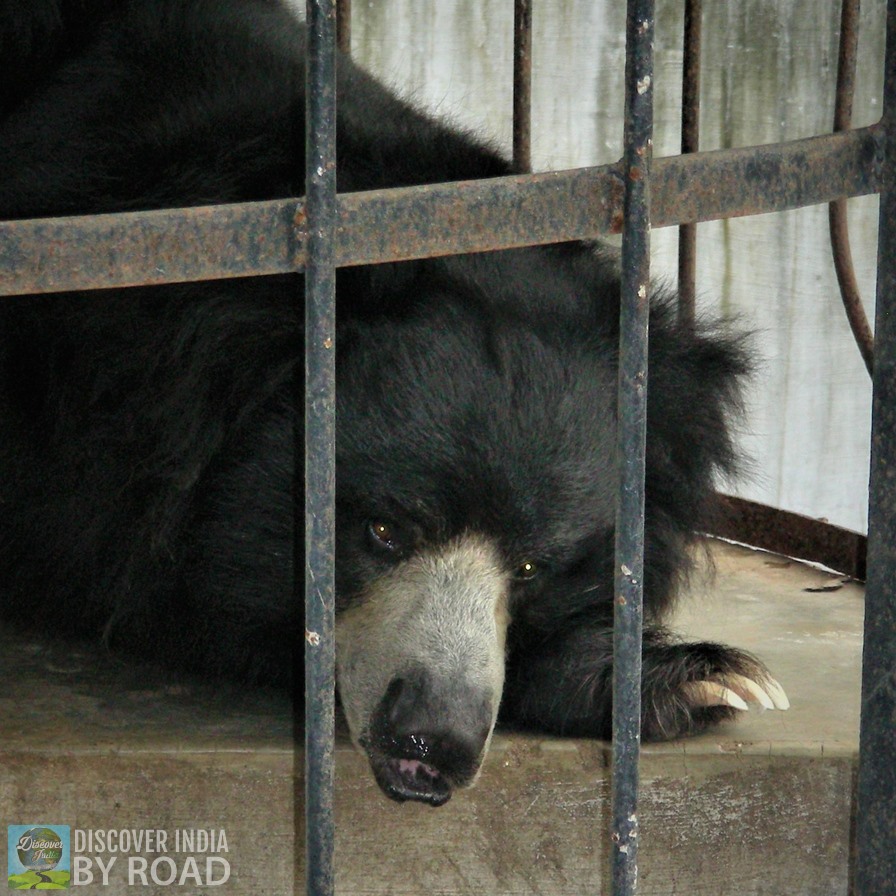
(140,248)
(213,242)
(791,534)
(730,183)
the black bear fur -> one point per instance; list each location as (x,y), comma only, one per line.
(148,436)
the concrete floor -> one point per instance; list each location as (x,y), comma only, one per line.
(759,806)
(805,623)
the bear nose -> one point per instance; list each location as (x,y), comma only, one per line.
(445,726)
(428,736)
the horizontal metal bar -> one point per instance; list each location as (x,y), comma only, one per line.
(212,242)
(731,183)
(141,248)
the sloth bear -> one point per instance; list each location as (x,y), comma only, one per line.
(147,448)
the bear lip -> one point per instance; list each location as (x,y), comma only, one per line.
(403,779)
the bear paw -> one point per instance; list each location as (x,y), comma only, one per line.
(737,691)
(689,687)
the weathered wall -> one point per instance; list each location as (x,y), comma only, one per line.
(769,70)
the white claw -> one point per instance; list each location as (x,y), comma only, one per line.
(776,692)
(749,690)
(711,693)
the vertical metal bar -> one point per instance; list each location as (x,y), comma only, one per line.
(634,317)
(522,85)
(837,220)
(320,430)
(876,811)
(344,26)
(690,142)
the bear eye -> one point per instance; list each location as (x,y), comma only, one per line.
(385,536)
(526,571)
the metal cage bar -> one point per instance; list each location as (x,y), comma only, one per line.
(837,217)
(260,238)
(522,85)
(271,237)
(876,808)
(319,445)
(690,142)
(632,438)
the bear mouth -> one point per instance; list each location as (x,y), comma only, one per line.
(403,779)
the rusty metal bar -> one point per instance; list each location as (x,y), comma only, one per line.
(248,239)
(837,215)
(849,287)
(634,315)
(522,85)
(318,521)
(142,248)
(876,809)
(690,143)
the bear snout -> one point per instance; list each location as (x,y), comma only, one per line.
(420,661)
(428,737)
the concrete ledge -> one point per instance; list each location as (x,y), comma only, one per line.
(760,806)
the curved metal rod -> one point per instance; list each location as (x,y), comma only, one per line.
(849,288)
(839,227)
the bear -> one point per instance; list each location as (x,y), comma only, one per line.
(148,434)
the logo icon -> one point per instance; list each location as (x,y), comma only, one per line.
(39,857)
